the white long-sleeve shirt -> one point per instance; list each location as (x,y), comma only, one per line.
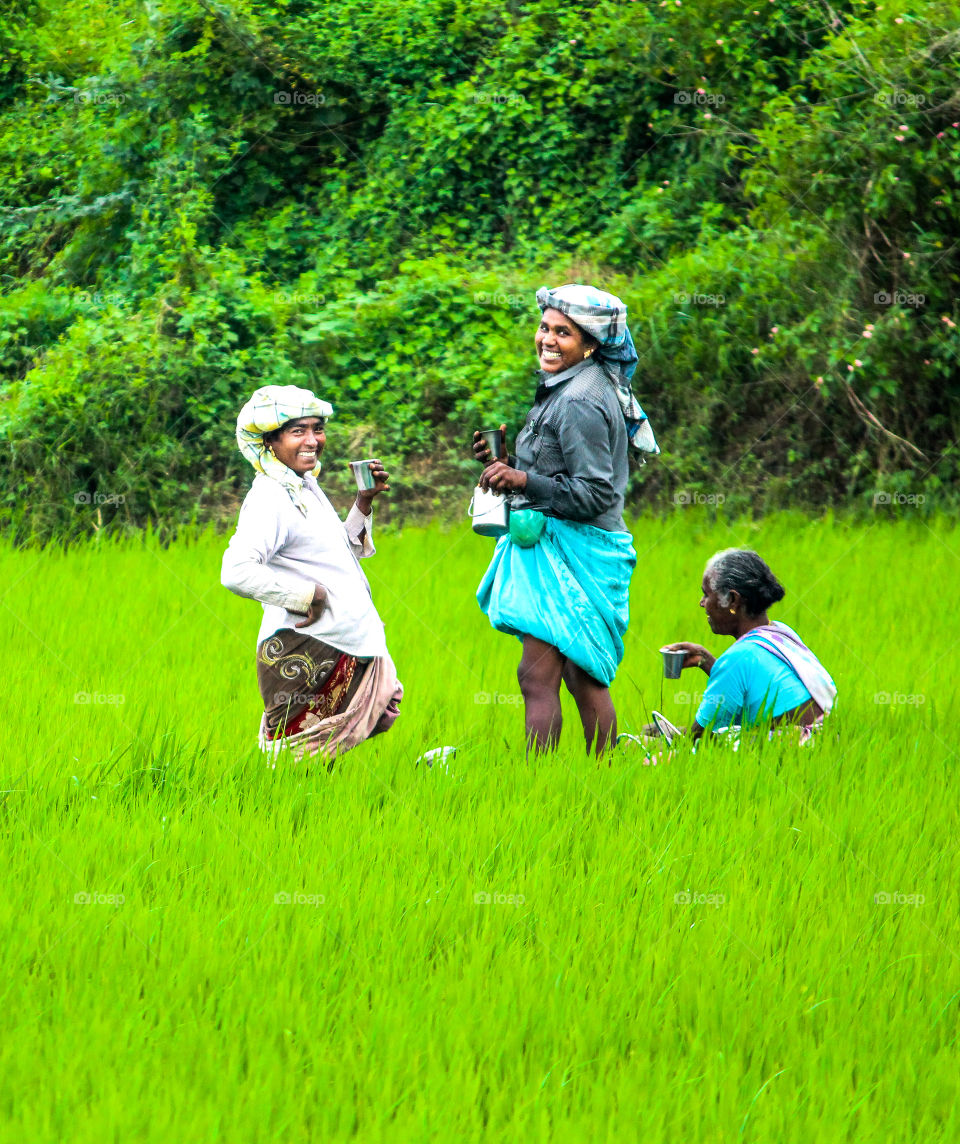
(277,555)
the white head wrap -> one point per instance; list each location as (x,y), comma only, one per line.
(271,407)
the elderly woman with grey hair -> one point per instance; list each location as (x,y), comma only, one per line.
(769,674)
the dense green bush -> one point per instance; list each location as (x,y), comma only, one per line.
(200,197)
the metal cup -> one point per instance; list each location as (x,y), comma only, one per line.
(493,439)
(672,662)
(363,473)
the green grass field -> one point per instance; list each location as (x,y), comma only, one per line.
(761,946)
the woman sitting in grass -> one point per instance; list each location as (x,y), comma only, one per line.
(769,674)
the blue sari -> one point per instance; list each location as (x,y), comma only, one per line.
(570,590)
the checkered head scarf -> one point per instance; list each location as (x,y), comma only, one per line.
(604,316)
(271,407)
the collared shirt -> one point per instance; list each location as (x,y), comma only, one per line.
(573,448)
(277,555)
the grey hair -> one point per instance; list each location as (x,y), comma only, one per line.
(741,570)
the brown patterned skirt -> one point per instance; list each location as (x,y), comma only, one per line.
(303,680)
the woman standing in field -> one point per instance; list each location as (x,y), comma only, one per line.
(560,580)
(769,673)
(325,676)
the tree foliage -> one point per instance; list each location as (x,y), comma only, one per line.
(200,197)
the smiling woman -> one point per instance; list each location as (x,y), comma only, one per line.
(325,676)
(560,580)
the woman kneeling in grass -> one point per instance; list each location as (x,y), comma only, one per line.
(326,680)
(769,673)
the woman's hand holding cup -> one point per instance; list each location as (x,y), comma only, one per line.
(483,445)
(697,655)
(371,471)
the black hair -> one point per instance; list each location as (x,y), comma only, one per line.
(741,570)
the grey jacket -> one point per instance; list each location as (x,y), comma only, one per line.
(573,448)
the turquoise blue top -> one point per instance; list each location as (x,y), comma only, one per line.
(746,679)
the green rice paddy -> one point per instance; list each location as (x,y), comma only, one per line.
(759,946)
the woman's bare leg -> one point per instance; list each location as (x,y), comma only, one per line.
(539,674)
(597,713)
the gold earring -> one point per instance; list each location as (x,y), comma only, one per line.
(587,354)
(732,611)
